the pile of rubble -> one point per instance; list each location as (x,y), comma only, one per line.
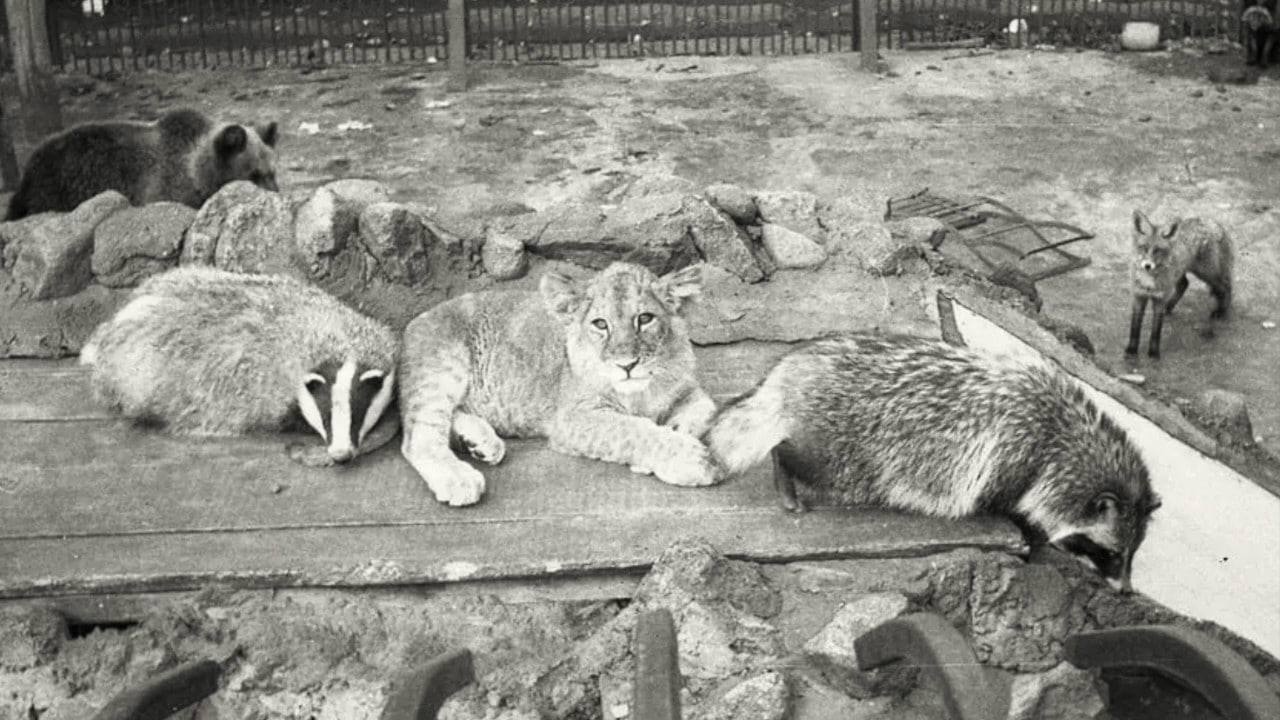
(756,642)
(62,273)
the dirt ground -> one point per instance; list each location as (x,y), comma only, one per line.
(1082,137)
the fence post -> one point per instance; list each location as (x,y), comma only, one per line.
(457,28)
(29,44)
(869,34)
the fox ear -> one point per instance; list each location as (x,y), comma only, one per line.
(1141,224)
(1172,229)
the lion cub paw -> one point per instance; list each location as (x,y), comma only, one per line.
(453,481)
(478,438)
(689,464)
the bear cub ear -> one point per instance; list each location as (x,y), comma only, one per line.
(232,139)
(269,134)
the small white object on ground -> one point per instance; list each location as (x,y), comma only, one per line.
(1269,324)
(354,125)
(1134,378)
(309,128)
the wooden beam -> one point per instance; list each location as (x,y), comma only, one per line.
(868,34)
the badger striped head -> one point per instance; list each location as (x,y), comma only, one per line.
(1257,17)
(343,401)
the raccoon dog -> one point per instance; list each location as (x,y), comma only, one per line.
(208,352)
(183,157)
(921,425)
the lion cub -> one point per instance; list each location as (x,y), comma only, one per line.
(603,368)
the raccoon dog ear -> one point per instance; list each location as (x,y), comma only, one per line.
(232,139)
(675,287)
(269,133)
(560,295)
(1141,224)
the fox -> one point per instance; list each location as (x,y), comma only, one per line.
(920,425)
(1161,259)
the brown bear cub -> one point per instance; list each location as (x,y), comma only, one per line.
(183,157)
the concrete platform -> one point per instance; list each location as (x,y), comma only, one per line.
(91,504)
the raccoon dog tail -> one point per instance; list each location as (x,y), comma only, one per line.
(748,428)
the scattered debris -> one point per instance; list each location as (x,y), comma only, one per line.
(1134,378)
(1268,325)
(354,125)
(308,128)
(437,104)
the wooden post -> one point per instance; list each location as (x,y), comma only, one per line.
(868,35)
(457,28)
(29,43)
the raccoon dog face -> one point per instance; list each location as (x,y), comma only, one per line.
(1257,18)
(343,402)
(1096,501)
(245,153)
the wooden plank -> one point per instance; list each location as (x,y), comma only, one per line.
(448,552)
(868,40)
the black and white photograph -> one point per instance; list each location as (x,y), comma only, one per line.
(629,360)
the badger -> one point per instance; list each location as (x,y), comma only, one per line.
(205,352)
(920,425)
(183,157)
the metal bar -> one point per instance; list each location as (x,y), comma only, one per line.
(1198,661)
(420,695)
(656,691)
(164,694)
(928,641)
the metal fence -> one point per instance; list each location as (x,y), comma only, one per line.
(101,36)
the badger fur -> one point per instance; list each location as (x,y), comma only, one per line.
(1260,32)
(208,352)
(182,157)
(921,425)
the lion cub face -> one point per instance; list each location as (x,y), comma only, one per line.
(623,327)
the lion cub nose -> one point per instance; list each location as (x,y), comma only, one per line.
(628,367)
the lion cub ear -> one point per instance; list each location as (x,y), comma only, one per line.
(674,288)
(560,295)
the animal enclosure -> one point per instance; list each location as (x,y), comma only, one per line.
(100,36)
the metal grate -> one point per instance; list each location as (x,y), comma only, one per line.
(997,235)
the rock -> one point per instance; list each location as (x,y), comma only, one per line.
(138,242)
(1021,614)
(652,230)
(791,249)
(694,570)
(398,240)
(330,217)
(877,250)
(794,210)
(50,254)
(1227,411)
(30,635)
(733,201)
(763,697)
(721,242)
(1064,692)
(925,233)
(1010,276)
(243,228)
(504,256)
(832,649)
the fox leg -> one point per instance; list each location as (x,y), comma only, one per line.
(1135,324)
(1178,290)
(785,483)
(1157,325)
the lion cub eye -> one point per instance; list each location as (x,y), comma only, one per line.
(600,324)
(644,319)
